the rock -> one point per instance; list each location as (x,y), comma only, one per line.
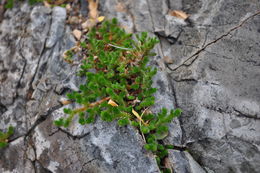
(99,147)
(173,27)
(211,73)
(164,99)
(214,78)
(119,10)
(14,158)
(179,14)
(77,34)
(57,27)
(37,77)
(182,161)
(218,87)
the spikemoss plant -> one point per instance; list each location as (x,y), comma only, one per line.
(10,3)
(119,85)
(4,137)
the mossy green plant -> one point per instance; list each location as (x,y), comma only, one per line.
(4,136)
(119,85)
(10,3)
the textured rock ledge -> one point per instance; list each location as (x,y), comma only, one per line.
(32,42)
(206,69)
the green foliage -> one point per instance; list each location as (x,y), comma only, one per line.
(31,2)
(4,136)
(119,85)
(10,3)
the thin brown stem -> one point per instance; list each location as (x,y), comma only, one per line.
(84,108)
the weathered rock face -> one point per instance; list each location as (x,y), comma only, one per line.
(218,88)
(34,76)
(208,65)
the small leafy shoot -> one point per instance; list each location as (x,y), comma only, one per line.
(5,136)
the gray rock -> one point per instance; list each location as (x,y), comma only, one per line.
(37,77)
(99,147)
(214,75)
(218,87)
(206,68)
(164,99)
(140,10)
(15,159)
(182,162)
(57,27)
(119,10)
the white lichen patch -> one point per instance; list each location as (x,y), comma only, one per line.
(58,114)
(74,128)
(53,166)
(40,142)
(103,141)
(247,106)
(30,153)
(18,141)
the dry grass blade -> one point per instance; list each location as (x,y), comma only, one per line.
(138,117)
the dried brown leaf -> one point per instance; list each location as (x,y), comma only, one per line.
(179,14)
(46,4)
(77,34)
(112,103)
(168,60)
(65,102)
(93,8)
(100,18)
(93,15)
(90,23)
(168,164)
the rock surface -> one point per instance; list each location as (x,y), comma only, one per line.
(209,66)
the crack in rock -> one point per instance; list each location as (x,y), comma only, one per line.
(212,42)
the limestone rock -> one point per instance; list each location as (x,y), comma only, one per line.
(212,73)
(35,78)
